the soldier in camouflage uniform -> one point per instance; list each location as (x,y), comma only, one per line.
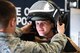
(9,43)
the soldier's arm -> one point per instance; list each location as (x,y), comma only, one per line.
(18,32)
(24,29)
(57,43)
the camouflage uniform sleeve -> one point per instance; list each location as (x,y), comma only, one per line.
(57,43)
(18,32)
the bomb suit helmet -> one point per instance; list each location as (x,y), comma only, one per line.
(44,10)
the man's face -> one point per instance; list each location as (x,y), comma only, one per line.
(43,27)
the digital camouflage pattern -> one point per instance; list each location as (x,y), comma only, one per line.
(16,45)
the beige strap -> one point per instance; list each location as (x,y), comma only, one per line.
(74,45)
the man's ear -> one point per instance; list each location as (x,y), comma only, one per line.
(12,22)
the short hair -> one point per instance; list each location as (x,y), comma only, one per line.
(7,11)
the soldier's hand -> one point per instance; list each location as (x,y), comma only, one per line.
(60,28)
(26,28)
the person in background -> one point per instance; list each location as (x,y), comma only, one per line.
(13,44)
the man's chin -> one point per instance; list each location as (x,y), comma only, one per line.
(41,34)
